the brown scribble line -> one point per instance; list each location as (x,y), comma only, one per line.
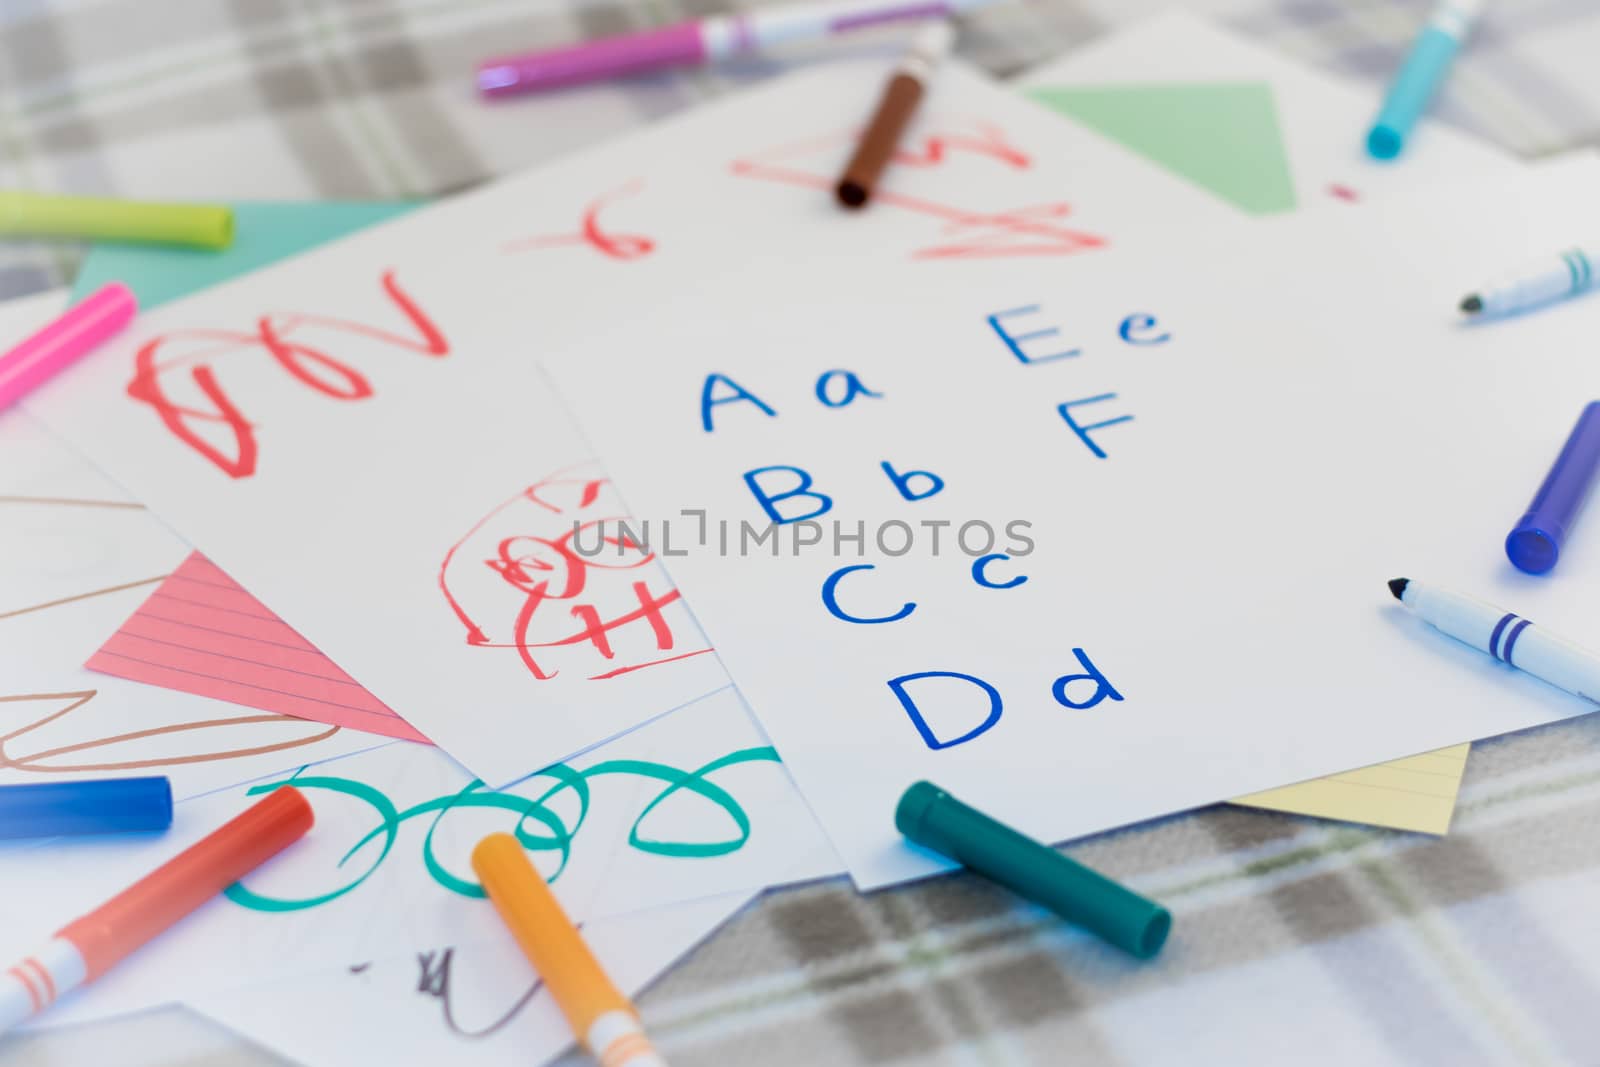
(70,502)
(81,596)
(29,762)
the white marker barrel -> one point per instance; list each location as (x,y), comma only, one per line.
(1554,278)
(618,1040)
(38,980)
(1507,637)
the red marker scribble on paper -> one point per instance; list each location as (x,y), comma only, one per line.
(1344,192)
(516,580)
(1022,231)
(987,139)
(623,246)
(234,449)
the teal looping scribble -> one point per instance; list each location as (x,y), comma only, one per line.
(695,782)
(389,828)
(470,798)
(558,837)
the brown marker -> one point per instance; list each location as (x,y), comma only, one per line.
(900,98)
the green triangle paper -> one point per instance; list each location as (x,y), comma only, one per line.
(1222,137)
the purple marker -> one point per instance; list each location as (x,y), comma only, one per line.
(699,41)
(1535,543)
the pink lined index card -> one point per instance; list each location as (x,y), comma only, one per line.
(201,633)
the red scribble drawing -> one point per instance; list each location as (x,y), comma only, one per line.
(516,580)
(986,139)
(160,363)
(622,246)
(1022,231)
(1343,192)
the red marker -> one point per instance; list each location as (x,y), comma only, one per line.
(86,948)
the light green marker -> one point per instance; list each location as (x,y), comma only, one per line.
(98,219)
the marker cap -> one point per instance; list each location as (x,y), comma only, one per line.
(677,45)
(91,322)
(1534,544)
(189,879)
(548,937)
(93,218)
(108,806)
(934,819)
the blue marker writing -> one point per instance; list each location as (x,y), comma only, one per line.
(1424,69)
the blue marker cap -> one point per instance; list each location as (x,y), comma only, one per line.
(107,806)
(1535,543)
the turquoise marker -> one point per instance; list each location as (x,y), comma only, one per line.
(1424,69)
(934,819)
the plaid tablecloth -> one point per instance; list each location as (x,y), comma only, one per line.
(1295,941)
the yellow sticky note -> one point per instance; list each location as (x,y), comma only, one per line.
(1415,793)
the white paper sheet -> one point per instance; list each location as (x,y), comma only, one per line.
(1212,527)
(76,556)
(478,1006)
(331,429)
(1324,119)
(691,806)
(153,1039)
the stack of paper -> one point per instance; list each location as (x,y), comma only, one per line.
(1067,476)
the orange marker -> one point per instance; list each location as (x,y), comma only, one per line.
(86,948)
(595,1009)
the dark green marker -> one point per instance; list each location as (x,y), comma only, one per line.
(934,819)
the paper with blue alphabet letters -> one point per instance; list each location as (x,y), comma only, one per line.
(1163,528)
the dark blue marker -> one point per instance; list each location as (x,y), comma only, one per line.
(106,806)
(1535,543)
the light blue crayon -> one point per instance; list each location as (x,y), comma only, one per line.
(1424,69)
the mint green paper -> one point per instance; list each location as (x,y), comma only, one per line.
(1224,138)
(264,233)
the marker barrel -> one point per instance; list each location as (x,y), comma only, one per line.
(100,219)
(1425,67)
(934,819)
(87,947)
(1534,544)
(84,326)
(39,980)
(698,41)
(107,806)
(596,1009)
(189,879)
(898,103)
(1508,638)
(680,44)
(1554,278)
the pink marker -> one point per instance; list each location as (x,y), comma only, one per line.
(699,41)
(69,338)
